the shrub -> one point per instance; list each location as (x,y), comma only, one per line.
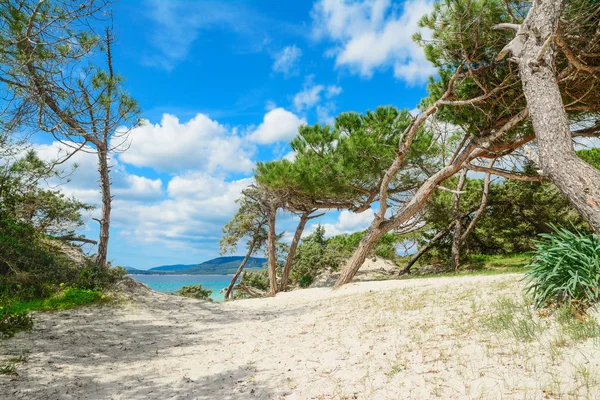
(95,278)
(305,281)
(257,279)
(195,292)
(13,322)
(565,270)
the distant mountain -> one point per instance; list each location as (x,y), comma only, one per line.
(216,266)
(224,265)
(176,267)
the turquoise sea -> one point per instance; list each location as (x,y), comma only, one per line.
(171,283)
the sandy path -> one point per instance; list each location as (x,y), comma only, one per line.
(371,340)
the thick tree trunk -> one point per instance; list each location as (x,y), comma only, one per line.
(103,169)
(272,260)
(457,238)
(365,246)
(229,293)
(290,257)
(579,181)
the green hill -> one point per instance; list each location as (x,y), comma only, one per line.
(176,267)
(216,266)
(224,265)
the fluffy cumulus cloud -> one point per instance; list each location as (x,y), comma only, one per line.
(196,209)
(286,61)
(348,222)
(372,34)
(199,144)
(278,125)
(83,180)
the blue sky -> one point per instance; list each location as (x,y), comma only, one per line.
(224,84)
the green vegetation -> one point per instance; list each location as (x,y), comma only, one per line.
(12,322)
(519,321)
(62,300)
(565,270)
(195,292)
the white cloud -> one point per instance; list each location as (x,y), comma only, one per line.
(324,113)
(278,125)
(311,94)
(83,181)
(197,208)
(373,34)
(332,91)
(308,97)
(286,61)
(291,156)
(348,222)
(199,144)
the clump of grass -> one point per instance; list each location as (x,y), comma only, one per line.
(565,270)
(514,319)
(8,369)
(578,328)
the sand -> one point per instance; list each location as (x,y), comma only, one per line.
(408,339)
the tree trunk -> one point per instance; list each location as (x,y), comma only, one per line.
(378,227)
(103,169)
(271,239)
(290,257)
(424,250)
(229,292)
(365,246)
(579,181)
(457,238)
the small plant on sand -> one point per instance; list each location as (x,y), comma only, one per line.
(195,292)
(8,369)
(565,270)
(578,327)
(517,320)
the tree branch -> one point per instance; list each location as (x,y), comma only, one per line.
(505,174)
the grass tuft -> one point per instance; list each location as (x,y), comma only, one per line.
(516,320)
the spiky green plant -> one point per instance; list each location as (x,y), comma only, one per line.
(565,270)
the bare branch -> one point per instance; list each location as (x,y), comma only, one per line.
(505,174)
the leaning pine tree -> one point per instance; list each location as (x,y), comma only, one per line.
(482,93)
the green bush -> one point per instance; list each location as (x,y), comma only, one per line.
(565,270)
(12,322)
(195,292)
(305,281)
(95,278)
(257,279)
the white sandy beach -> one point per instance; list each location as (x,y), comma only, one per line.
(409,339)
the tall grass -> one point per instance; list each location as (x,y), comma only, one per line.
(565,270)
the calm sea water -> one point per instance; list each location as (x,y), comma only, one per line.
(171,283)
